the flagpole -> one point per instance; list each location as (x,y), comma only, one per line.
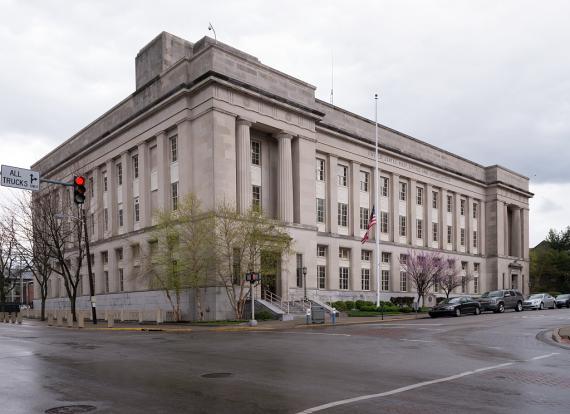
(377,206)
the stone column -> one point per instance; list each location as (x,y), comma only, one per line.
(187,159)
(516,232)
(127,187)
(395,213)
(428,207)
(481,220)
(97,271)
(144,185)
(332,204)
(395,273)
(525,235)
(112,197)
(412,212)
(443,218)
(112,269)
(98,206)
(163,170)
(457,222)
(468,225)
(332,265)
(285,179)
(243,164)
(354,199)
(127,265)
(355,269)
(507,229)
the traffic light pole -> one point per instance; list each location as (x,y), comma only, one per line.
(91,282)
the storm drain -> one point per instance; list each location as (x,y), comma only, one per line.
(71,409)
(217,375)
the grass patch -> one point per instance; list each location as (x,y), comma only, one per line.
(218,323)
(356,313)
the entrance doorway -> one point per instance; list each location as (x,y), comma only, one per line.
(514,281)
(270,266)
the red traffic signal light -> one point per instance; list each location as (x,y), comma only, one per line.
(79,189)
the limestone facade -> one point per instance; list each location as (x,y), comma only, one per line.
(211,120)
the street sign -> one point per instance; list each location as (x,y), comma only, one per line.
(20,178)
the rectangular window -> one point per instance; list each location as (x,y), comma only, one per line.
(365,279)
(137,210)
(299,270)
(476,284)
(255,153)
(449,204)
(119,174)
(106,275)
(174,195)
(106,218)
(343,278)
(462,207)
(321,251)
(475,211)
(105,183)
(385,257)
(403,191)
(363,218)
(121,281)
(403,226)
(135,160)
(475,239)
(120,216)
(173,148)
(403,259)
(403,281)
(365,255)
(105,257)
(419,228)
(236,264)
(419,196)
(342,175)
(462,237)
(320,169)
(384,222)
(384,186)
(449,234)
(321,210)
(119,254)
(344,253)
(321,276)
(476,268)
(343,215)
(385,280)
(434,231)
(364,181)
(91,187)
(256,196)
(434,196)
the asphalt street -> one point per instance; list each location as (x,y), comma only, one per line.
(472,364)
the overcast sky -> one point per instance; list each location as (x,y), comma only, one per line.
(487,80)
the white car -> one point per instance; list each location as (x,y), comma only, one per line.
(540,301)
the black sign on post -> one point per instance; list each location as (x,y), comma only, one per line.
(252,277)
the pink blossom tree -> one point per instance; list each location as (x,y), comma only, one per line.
(424,269)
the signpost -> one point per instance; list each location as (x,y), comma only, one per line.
(20,178)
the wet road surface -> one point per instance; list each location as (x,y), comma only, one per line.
(488,363)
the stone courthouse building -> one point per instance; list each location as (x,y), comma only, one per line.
(209,119)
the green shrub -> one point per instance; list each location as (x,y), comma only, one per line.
(264,315)
(349,305)
(363,303)
(339,305)
(406,309)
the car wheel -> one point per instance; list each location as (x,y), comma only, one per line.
(519,307)
(568,305)
(457,312)
(501,308)
(541,307)
(477,311)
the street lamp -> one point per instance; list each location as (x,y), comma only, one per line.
(305,280)
(83,220)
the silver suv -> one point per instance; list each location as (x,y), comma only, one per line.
(499,300)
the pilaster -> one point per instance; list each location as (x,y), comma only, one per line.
(243,165)
(285,179)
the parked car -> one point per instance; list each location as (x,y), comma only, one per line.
(456,307)
(540,301)
(499,300)
(563,300)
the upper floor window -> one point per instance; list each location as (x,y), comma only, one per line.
(174,148)
(419,196)
(342,175)
(384,222)
(403,191)
(476,267)
(365,255)
(462,207)
(403,226)
(105,182)
(434,195)
(385,257)
(449,204)
(320,169)
(384,186)
(343,214)
(321,210)
(321,251)
(256,196)
(255,153)
(364,181)
(363,218)
(119,174)
(137,210)
(344,253)
(174,191)
(135,159)
(475,211)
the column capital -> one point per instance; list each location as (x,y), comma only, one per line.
(244,121)
(283,135)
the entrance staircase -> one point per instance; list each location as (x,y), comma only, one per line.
(286,310)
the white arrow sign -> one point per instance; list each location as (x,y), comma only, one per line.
(20,178)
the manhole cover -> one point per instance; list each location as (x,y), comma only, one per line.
(217,375)
(71,409)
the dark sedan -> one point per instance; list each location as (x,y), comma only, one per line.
(456,307)
(563,300)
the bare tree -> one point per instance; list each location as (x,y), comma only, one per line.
(424,270)
(33,241)
(452,277)
(240,240)
(9,256)
(182,254)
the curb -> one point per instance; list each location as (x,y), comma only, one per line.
(556,335)
(322,325)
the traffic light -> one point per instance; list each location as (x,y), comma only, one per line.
(79,189)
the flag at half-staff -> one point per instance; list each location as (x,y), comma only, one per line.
(371,222)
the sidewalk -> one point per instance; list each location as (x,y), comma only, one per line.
(204,327)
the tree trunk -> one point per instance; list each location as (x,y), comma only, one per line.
(43,308)
(198,301)
(73,310)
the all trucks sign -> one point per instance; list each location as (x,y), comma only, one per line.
(20,178)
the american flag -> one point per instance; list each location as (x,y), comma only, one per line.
(371,222)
